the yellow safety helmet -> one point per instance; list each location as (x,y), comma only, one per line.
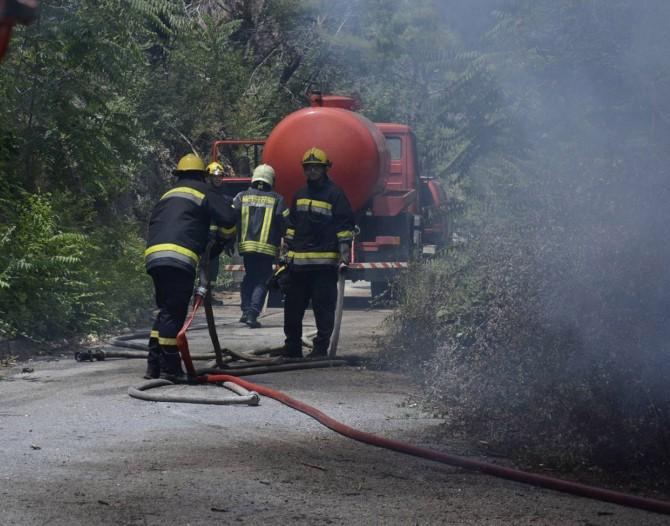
(215,169)
(190,163)
(316,156)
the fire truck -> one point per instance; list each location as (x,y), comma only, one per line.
(400,214)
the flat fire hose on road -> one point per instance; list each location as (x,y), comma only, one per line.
(250,393)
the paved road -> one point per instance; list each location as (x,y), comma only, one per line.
(75,449)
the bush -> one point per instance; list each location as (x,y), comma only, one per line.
(56,284)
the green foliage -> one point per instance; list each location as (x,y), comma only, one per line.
(55,284)
(123,289)
(41,273)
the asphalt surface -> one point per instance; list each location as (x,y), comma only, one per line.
(75,449)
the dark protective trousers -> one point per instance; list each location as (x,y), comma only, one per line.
(320,286)
(173,288)
(257,272)
(213,270)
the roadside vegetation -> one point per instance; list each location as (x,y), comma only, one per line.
(542,330)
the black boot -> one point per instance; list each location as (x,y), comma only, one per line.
(286,352)
(252,320)
(243,318)
(171,365)
(153,360)
(317,354)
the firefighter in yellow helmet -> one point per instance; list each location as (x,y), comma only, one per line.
(216,173)
(261,224)
(319,236)
(177,236)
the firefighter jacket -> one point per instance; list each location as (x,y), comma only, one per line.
(261,219)
(180,224)
(319,220)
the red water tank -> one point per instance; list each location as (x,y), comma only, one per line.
(353,143)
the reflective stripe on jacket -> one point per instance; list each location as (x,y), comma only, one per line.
(260,221)
(180,224)
(319,220)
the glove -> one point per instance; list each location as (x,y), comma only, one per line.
(280,279)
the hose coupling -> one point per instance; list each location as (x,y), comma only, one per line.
(90,355)
(201,291)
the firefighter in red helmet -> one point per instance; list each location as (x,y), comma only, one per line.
(177,237)
(319,236)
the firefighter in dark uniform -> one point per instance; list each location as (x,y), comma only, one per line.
(178,232)
(261,219)
(319,236)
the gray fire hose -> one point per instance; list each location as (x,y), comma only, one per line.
(244,396)
(339,307)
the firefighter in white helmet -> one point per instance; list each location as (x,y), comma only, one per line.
(261,217)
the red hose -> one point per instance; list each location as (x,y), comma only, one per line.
(543,481)
(182,342)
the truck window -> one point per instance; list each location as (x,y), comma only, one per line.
(395,147)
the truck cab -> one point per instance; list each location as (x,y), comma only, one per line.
(411,207)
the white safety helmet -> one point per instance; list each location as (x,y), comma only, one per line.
(264,173)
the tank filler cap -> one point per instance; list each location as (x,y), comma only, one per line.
(333,101)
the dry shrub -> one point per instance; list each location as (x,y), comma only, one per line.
(549,350)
